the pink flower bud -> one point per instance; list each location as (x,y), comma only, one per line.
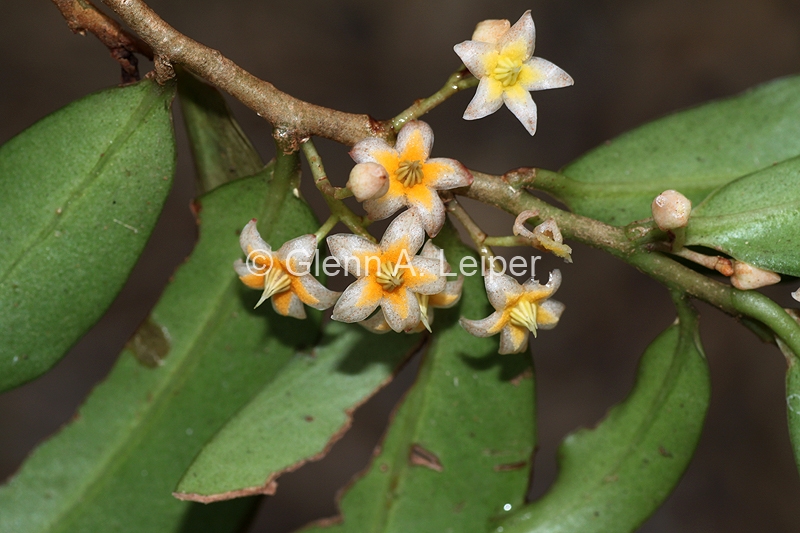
(746,276)
(671,210)
(368,181)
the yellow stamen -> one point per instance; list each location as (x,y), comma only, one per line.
(524,315)
(276,281)
(388,276)
(423,299)
(507,71)
(409,173)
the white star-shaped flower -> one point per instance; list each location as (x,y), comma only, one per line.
(414,179)
(519,309)
(283,276)
(390,275)
(501,57)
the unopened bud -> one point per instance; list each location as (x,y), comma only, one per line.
(796,295)
(671,210)
(368,181)
(746,276)
(490,31)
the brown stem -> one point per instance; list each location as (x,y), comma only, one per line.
(293,119)
(83,16)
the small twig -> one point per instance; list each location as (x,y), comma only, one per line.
(507,193)
(326,228)
(458,81)
(83,16)
(508,241)
(477,235)
(293,119)
(354,223)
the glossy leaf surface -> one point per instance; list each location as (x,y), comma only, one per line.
(115,466)
(694,152)
(459,446)
(299,415)
(755,219)
(612,477)
(80,192)
(221,150)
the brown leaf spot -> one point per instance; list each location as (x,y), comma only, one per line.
(419,456)
(150,344)
(308,418)
(664,452)
(508,467)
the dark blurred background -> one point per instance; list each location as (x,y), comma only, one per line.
(632,62)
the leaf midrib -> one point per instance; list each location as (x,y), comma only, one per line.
(147,417)
(115,145)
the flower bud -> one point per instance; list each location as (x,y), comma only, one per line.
(490,31)
(368,181)
(671,210)
(746,276)
(796,295)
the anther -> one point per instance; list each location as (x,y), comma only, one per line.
(409,173)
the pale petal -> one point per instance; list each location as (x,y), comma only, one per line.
(313,293)
(537,291)
(488,99)
(485,327)
(287,303)
(357,302)
(250,240)
(429,208)
(442,173)
(520,103)
(513,339)
(549,313)
(376,323)
(522,32)
(543,75)
(249,276)
(449,296)
(241,268)
(354,253)
(431,251)
(401,309)
(502,290)
(414,141)
(475,55)
(385,206)
(297,254)
(407,230)
(490,31)
(368,150)
(423,276)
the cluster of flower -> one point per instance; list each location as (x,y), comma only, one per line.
(396,288)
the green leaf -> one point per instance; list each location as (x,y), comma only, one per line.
(614,476)
(459,447)
(115,466)
(221,150)
(754,219)
(694,152)
(81,191)
(298,416)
